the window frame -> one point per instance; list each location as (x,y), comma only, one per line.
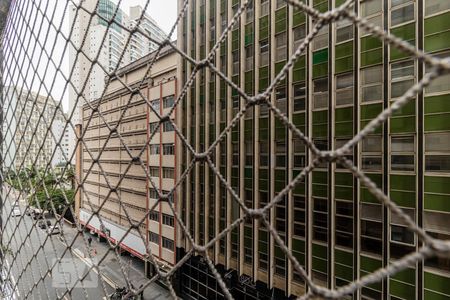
(344,89)
(404,78)
(398,7)
(405,153)
(371,84)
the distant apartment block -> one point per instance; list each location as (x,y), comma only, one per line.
(136,193)
(139,44)
(32,129)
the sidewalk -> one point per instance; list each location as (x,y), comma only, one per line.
(111,267)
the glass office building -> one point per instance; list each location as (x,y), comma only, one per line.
(335,228)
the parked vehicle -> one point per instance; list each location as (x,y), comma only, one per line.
(121,293)
(29,210)
(16,211)
(53,229)
(43,224)
(38,213)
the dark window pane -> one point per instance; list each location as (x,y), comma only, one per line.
(402,162)
(437,163)
(402,234)
(398,251)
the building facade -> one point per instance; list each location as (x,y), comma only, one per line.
(140,45)
(88,78)
(137,192)
(334,227)
(32,129)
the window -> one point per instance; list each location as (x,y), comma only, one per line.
(440,84)
(402,153)
(280,96)
(167,243)
(168,149)
(235,154)
(264,7)
(321,39)
(154,149)
(167,220)
(153,215)
(339,143)
(344,31)
(168,126)
(153,171)
(299,153)
(371,84)
(152,193)
(235,57)
(344,89)
(280,154)
(299,33)
(155,104)
(399,230)
(402,78)
(437,152)
(263,153)
(320,93)
(168,172)
(152,126)
(168,101)
(280,43)
(263,53)
(344,224)
(402,11)
(249,58)
(372,144)
(299,96)
(281,3)
(250,11)
(248,152)
(299,216)
(320,219)
(436,6)
(437,224)
(371,153)
(371,228)
(153,237)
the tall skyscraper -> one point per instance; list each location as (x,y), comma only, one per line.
(334,227)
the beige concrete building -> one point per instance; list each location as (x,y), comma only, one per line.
(135,122)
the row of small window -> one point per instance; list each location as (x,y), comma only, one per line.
(167,126)
(168,102)
(402,239)
(402,78)
(166,242)
(402,155)
(166,219)
(402,11)
(168,149)
(166,172)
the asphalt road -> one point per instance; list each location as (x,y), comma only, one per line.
(33,259)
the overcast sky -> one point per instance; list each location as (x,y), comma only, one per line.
(19,71)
